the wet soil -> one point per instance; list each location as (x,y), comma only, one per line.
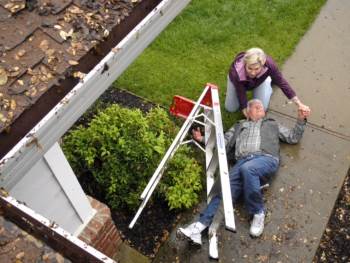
(151,230)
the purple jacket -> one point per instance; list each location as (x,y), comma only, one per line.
(243,83)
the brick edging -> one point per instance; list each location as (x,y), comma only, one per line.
(101,232)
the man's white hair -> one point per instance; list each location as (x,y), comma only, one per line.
(252,102)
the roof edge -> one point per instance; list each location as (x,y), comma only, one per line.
(32,147)
(67,244)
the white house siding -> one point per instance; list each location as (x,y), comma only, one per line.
(49,193)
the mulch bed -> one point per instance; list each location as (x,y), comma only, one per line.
(335,242)
(151,230)
(156,221)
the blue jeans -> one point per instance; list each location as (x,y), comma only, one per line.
(245,178)
(263,92)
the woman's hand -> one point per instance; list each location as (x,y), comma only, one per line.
(302,114)
(301,107)
(304,108)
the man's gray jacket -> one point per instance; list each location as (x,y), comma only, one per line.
(271,132)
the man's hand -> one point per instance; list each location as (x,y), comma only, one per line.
(197,135)
(303,114)
(304,108)
(301,106)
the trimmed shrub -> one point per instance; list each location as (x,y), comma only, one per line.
(121,148)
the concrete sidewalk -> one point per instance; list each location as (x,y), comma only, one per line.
(305,189)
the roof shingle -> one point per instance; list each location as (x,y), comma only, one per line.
(41,43)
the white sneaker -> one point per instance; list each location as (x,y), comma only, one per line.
(257,226)
(213,246)
(193,232)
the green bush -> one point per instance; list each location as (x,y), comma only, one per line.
(122,148)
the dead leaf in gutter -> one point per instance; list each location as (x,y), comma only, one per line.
(116,49)
(2,118)
(63,35)
(75,10)
(105,33)
(32,92)
(20,82)
(79,75)
(70,32)
(3,76)
(66,35)
(13,105)
(73,62)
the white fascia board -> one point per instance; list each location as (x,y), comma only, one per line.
(34,145)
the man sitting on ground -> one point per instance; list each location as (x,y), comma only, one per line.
(255,145)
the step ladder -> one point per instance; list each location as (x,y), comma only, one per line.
(206,112)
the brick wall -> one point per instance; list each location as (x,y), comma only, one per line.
(101,233)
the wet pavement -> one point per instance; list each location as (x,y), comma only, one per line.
(319,70)
(302,195)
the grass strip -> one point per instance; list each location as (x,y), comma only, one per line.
(199,45)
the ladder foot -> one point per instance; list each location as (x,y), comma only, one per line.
(213,246)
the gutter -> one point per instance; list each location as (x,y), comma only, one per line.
(15,164)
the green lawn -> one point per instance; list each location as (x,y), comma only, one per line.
(199,45)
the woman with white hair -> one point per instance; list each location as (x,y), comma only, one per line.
(254,70)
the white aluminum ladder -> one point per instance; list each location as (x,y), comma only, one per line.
(206,108)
